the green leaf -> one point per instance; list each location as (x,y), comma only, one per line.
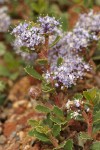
(84,136)
(68,145)
(43,109)
(2,86)
(34,123)
(96,58)
(48,121)
(90,94)
(43,129)
(25,49)
(57,111)
(95,145)
(32,72)
(96,128)
(4,71)
(11,62)
(2,98)
(65,21)
(78,96)
(96,117)
(40,136)
(46,87)
(59,61)
(55,41)
(57,120)
(14,76)
(42,61)
(2,49)
(56,130)
(88,3)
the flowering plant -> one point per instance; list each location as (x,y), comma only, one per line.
(59,63)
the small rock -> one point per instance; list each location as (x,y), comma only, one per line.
(19,103)
(1,130)
(27,147)
(12,135)
(3,117)
(19,127)
(21,135)
(2,139)
(9,127)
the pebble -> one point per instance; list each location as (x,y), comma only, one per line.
(2,139)
(13,134)
(27,147)
(19,127)
(3,117)
(19,103)
(1,130)
(21,135)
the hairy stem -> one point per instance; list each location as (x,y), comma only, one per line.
(90,124)
(89,120)
(53,140)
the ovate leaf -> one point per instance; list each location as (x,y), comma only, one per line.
(90,94)
(78,96)
(68,145)
(39,136)
(84,136)
(57,111)
(4,71)
(56,130)
(34,123)
(96,118)
(57,120)
(43,109)
(42,61)
(95,146)
(32,72)
(43,129)
(55,41)
(59,61)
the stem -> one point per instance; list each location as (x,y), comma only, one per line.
(89,120)
(53,140)
(90,124)
(47,42)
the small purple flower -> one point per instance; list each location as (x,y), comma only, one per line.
(48,24)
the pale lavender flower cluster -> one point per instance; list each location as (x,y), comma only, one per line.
(84,32)
(34,36)
(28,37)
(31,37)
(90,21)
(5,20)
(71,69)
